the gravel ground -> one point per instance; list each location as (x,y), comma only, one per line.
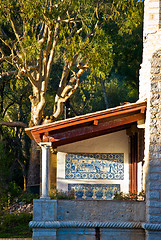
(20,207)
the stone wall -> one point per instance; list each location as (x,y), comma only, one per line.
(153,186)
(88,210)
(151,43)
(150,89)
(88,220)
(104,234)
(153,150)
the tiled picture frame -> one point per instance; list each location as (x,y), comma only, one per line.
(94,191)
(94,166)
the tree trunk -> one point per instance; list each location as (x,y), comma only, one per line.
(34,168)
(37,106)
(104,93)
(24,183)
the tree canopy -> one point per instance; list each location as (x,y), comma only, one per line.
(51,48)
(34,35)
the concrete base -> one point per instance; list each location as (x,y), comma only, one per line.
(153,235)
(44,234)
(122,234)
(74,220)
(76,234)
(44,210)
(90,234)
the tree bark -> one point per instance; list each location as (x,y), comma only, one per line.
(13,124)
(38,102)
(34,167)
(104,93)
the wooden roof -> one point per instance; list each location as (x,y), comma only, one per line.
(89,125)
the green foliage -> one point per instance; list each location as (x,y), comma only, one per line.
(129,196)
(32,48)
(8,194)
(12,220)
(106,35)
(12,225)
(111,47)
(5,163)
(27,197)
(100,55)
(12,193)
(118,92)
(127,45)
(14,145)
(121,81)
(55,194)
(90,95)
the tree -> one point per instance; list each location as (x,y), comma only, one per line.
(35,35)
(15,113)
(46,29)
(128,45)
(121,85)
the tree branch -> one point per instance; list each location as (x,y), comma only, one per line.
(13,124)
(43,39)
(16,34)
(7,58)
(67,92)
(67,70)
(7,109)
(31,79)
(8,73)
(7,44)
(50,61)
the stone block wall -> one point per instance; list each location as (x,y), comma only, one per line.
(150,89)
(88,210)
(151,16)
(151,43)
(154,176)
(105,234)
(44,211)
(153,186)
(88,220)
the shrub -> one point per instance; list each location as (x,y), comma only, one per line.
(129,196)
(14,194)
(12,225)
(27,197)
(55,194)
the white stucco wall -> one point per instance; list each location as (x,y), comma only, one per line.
(111,143)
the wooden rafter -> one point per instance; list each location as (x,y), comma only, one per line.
(89,125)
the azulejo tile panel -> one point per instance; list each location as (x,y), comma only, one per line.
(94,191)
(94,166)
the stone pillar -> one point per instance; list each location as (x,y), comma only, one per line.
(44,209)
(44,213)
(45,169)
(153,185)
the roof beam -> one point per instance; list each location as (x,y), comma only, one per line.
(115,112)
(86,132)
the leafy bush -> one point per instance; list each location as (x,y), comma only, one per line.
(14,194)
(129,196)
(55,194)
(9,194)
(12,225)
(27,197)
